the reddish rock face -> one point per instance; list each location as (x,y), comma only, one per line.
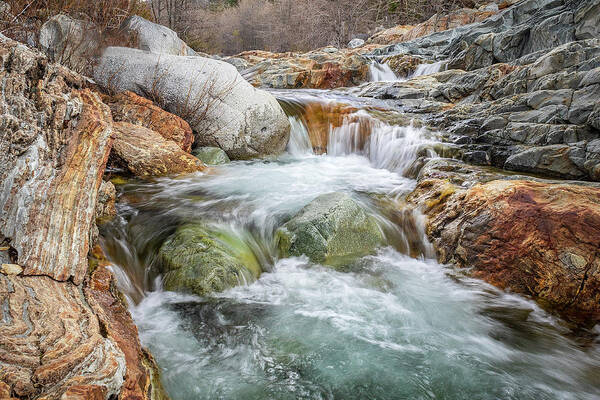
(537,239)
(129,107)
(145,153)
(318,69)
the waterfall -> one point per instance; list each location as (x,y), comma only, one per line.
(428,69)
(394,148)
(299,143)
(379,72)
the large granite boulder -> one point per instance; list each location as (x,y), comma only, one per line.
(203,259)
(71,42)
(331,230)
(220,106)
(155,38)
(538,238)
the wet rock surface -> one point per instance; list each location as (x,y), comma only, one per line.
(203,259)
(539,117)
(211,155)
(333,230)
(539,238)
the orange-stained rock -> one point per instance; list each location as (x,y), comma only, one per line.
(54,144)
(145,153)
(129,107)
(141,378)
(538,239)
(437,23)
(325,68)
(84,392)
(52,340)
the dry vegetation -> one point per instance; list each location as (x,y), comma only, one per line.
(232,26)
(25,17)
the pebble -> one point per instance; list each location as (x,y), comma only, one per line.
(11,269)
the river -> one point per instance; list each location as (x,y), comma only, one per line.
(393,325)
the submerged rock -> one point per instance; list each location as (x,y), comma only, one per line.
(203,259)
(221,107)
(211,155)
(333,230)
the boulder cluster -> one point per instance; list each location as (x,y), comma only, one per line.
(66,331)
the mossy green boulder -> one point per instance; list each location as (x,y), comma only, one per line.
(203,259)
(331,230)
(211,155)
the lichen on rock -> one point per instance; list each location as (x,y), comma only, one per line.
(332,230)
(201,258)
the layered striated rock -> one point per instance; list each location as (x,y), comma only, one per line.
(538,115)
(129,107)
(221,107)
(141,379)
(51,340)
(62,336)
(145,153)
(526,28)
(535,238)
(54,146)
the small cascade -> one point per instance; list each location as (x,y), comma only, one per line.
(381,72)
(428,69)
(394,148)
(299,143)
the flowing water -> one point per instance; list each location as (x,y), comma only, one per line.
(393,325)
(427,69)
(379,72)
